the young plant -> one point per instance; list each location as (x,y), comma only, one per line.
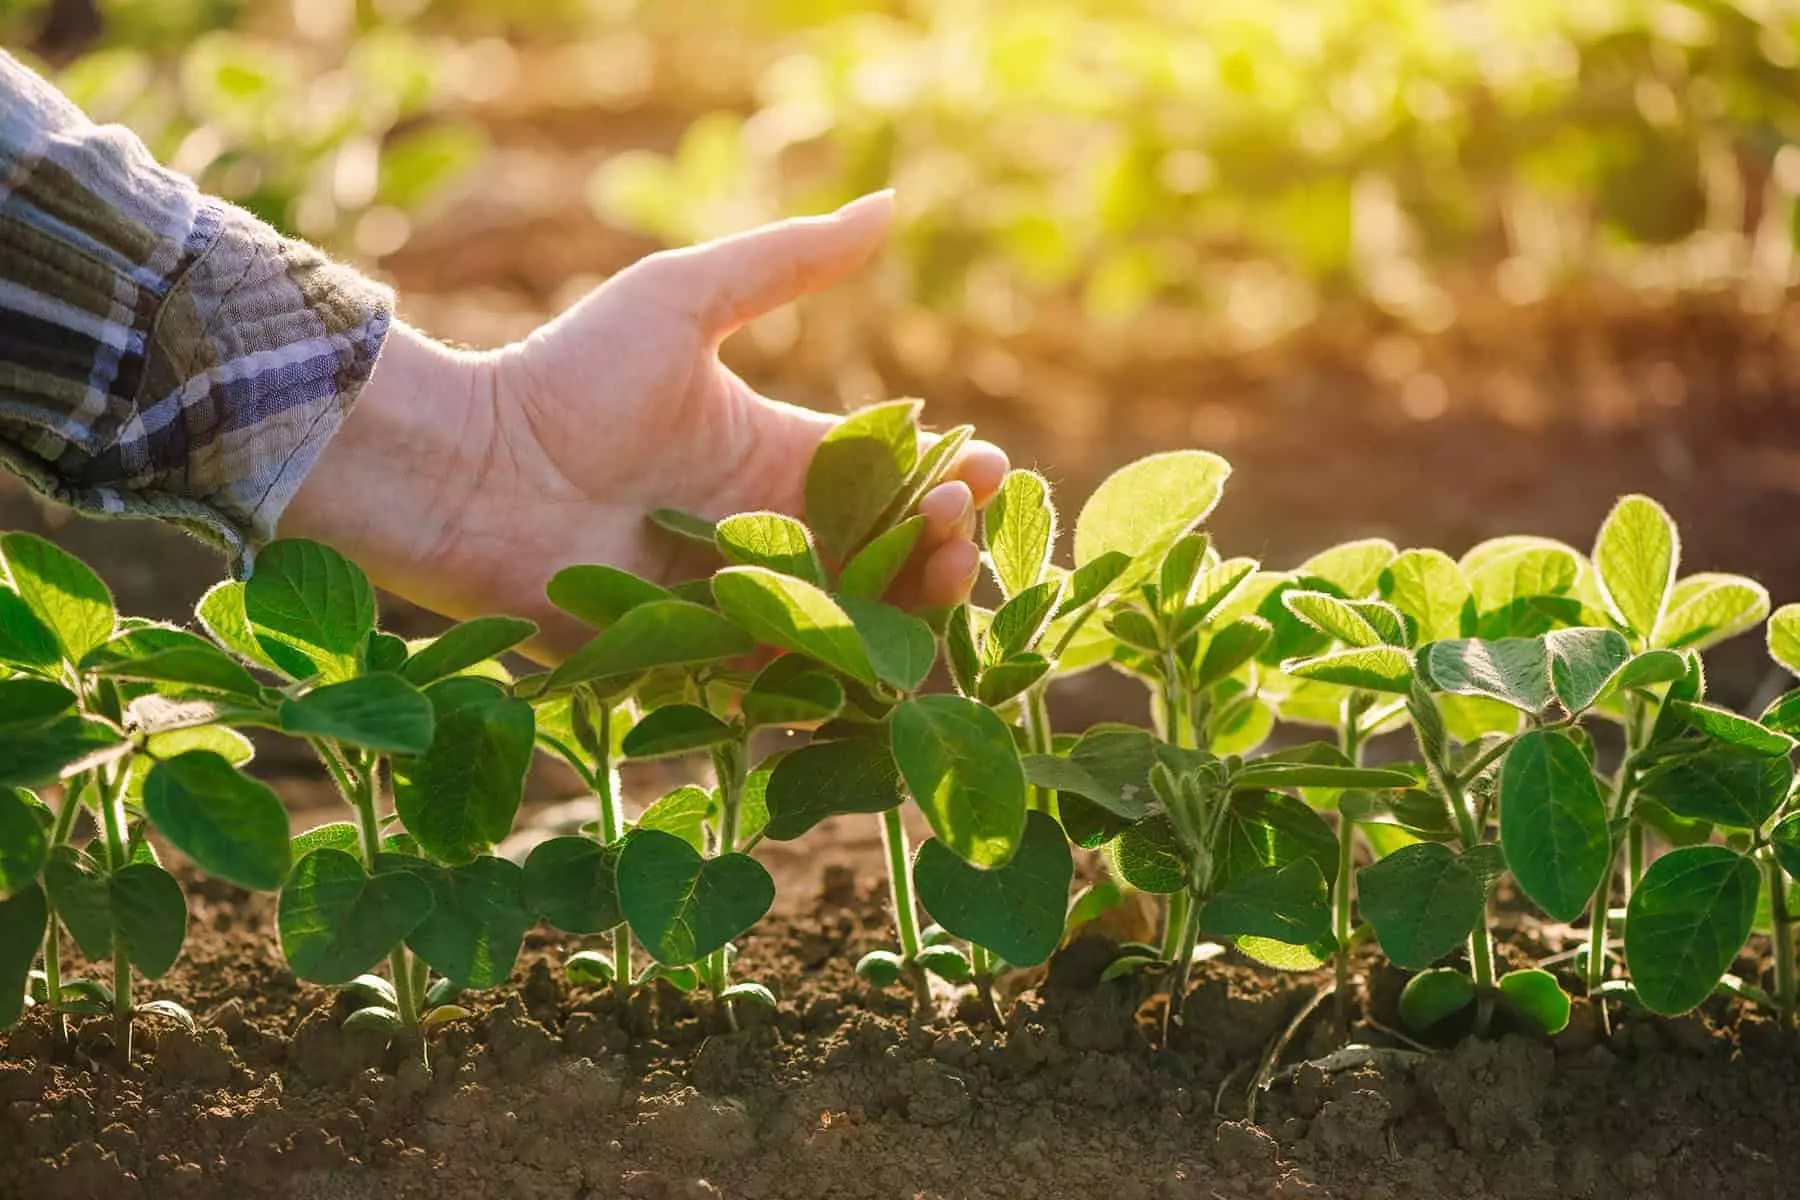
(417,886)
(127,718)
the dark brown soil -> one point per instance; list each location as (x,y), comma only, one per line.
(557,1093)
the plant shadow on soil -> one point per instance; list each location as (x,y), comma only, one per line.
(552,1092)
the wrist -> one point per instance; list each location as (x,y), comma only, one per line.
(390,484)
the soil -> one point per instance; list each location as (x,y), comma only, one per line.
(550,1092)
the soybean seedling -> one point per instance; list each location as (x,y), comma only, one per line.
(431,720)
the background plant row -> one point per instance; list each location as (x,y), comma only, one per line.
(1532,712)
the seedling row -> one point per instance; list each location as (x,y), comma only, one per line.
(1359,750)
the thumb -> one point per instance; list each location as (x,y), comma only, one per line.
(732,280)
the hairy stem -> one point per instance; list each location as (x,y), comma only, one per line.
(1343,895)
(1632,846)
(728,767)
(59,834)
(981,963)
(906,913)
(609,829)
(1782,935)
(112,821)
(1175,916)
(1036,721)
(1184,965)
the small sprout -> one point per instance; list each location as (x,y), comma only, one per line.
(374,1019)
(755,993)
(590,968)
(880,968)
(169,1010)
(1132,964)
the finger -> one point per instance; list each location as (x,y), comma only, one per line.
(732,280)
(949,574)
(981,465)
(949,512)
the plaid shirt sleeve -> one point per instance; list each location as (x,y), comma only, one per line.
(162,354)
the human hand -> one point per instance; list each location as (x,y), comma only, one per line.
(464,481)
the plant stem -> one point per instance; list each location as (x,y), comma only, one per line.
(906,913)
(1184,965)
(728,766)
(1782,934)
(1343,895)
(1175,918)
(609,829)
(1634,855)
(59,834)
(112,819)
(1469,831)
(981,963)
(1035,715)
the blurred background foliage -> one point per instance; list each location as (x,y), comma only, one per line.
(1249,161)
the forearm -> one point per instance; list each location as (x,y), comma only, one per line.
(389,488)
(161,353)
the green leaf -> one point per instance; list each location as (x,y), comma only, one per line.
(1423,901)
(572,883)
(683,812)
(933,467)
(791,614)
(386,652)
(221,613)
(1090,581)
(1180,571)
(655,634)
(478,919)
(959,649)
(307,599)
(1583,664)
(1285,956)
(1635,558)
(1709,608)
(1509,586)
(792,691)
(589,968)
(1354,568)
(872,571)
(27,703)
(824,779)
(25,641)
(859,469)
(1109,765)
(333,835)
(1723,725)
(60,590)
(1020,622)
(962,768)
(460,796)
(1286,904)
(1784,840)
(685,526)
(675,729)
(140,904)
(767,539)
(1721,784)
(24,842)
(1374,668)
(1784,637)
(39,757)
(1431,996)
(233,827)
(1553,823)
(1537,995)
(23,919)
(899,646)
(383,713)
(1016,910)
(463,646)
(1230,648)
(1331,616)
(1513,670)
(1004,680)
(1020,529)
(1428,587)
(1141,509)
(599,595)
(1687,920)
(1135,629)
(337,921)
(174,656)
(880,968)
(1149,857)
(681,906)
(1645,670)
(1272,829)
